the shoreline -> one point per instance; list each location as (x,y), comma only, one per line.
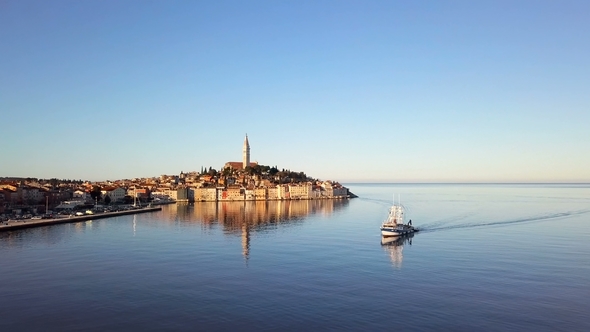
(351,196)
(28,223)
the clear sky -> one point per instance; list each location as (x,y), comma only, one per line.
(384,91)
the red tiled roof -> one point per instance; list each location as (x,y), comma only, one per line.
(239,164)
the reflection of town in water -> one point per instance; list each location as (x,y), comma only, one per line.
(394,246)
(244,217)
(234,218)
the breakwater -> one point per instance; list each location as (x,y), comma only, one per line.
(29,223)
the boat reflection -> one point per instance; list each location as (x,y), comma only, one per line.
(394,246)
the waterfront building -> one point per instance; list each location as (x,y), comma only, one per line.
(234,194)
(250,194)
(328,189)
(206,194)
(161,192)
(173,194)
(260,193)
(182,195)
(115,194)
(221,193)
(283,191)
(339,192)
(316,192)
(191,194)
(272,193)
(300,191)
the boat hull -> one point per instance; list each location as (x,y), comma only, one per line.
(397,231)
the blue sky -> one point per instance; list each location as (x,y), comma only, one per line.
(384,91)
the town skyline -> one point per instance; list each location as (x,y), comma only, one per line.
(242,165)
(452,92)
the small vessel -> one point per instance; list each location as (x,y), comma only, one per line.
(394,224)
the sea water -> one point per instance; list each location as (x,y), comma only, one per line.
(488,257)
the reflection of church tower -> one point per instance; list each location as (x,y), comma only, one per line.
(246,153)
(245,240)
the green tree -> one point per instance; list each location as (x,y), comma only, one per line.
(264,169)
(96,193)
(107,200)
(273,171)
(212,171)
(128,199)
(227,171)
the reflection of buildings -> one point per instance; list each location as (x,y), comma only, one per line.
(394,245)
(245,217)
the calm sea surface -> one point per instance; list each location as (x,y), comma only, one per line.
(490,257)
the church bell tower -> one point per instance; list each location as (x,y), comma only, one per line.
(246,153)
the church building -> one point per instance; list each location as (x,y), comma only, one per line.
(245,158)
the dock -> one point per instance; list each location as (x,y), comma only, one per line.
(30,223)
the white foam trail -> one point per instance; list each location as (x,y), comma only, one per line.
(508,222)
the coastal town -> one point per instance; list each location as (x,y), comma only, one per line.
(235,181)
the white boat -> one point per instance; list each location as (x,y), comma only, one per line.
(394,224)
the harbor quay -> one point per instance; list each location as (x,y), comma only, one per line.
(30,223)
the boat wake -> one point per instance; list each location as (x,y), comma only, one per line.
(438,226)
(443,222)
(375,200)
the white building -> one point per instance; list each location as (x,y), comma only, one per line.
(81,195)
(300,191)
(115,194)
(206,194)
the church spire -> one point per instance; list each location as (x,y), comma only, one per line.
(246,153)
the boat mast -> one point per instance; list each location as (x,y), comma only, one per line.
(400,211)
